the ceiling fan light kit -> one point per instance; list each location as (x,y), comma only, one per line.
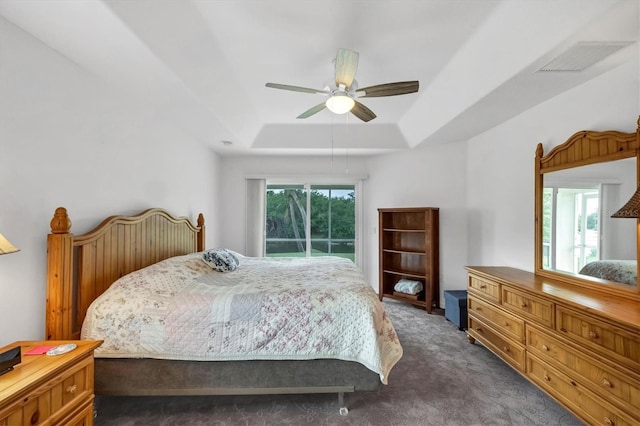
(342,97)
(340,103)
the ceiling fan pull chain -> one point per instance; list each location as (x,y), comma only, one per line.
(332,127)
(346,170)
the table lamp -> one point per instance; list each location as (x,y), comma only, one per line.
(6,247)
(13,356)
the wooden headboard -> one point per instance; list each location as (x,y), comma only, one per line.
(81,267)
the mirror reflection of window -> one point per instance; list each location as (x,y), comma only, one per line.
(547,221)
(572,218)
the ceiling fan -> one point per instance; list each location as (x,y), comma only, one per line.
(342,98)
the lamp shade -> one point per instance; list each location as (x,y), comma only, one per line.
(6,247)
(631,209)
(340,104)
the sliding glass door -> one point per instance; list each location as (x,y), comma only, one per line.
(311,220)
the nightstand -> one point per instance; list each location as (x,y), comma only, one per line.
(52,390)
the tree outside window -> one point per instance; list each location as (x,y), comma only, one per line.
(330,211)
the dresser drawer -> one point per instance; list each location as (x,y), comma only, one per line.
(535,308)
(613,384)
(502,346)
(48,403)
(504,322)
(612,342)
(593,409)
(486,289)
(82,416)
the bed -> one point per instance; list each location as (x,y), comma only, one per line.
(619,271)
(125,249)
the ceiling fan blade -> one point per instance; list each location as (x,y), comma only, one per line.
(388,89)
(362,112)
(296,88)
(316,109)
(346,67)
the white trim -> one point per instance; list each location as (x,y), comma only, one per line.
(312,179)
(360,260)
(255,217)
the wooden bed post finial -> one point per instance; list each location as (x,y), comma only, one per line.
(200,241)
(59,323)
(60,224)
(539,151)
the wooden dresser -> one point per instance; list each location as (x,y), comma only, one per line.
(583,349)
(49,390)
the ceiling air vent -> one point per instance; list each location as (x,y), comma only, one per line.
(582,55)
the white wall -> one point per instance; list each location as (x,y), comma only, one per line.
(500,184)
(429,177)
(68,140)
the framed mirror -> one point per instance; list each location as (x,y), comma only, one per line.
(578,186)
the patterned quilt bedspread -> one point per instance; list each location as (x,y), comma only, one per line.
(268,308)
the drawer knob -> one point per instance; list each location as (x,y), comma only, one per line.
(483,286)
(608,421)
(506,349)
(523,305)
(506,324)
(479,329)
(545,347)
(606,383)
(72,389)
(546,377)
(35,417)
(593,335)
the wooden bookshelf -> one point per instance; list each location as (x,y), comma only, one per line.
(409,241)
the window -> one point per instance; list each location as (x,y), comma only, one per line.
(311,220)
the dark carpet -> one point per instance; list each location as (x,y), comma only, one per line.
(440,380)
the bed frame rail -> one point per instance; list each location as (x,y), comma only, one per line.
(80,268)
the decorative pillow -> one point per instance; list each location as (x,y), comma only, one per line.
(408,286)
(220,259)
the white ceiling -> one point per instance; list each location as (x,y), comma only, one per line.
(203,64)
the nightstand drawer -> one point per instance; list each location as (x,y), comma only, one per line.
(571,393)
(507,349)
(505,323)
(83,416)
(48,403)
(484,288)
(612,342)
(539,310)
